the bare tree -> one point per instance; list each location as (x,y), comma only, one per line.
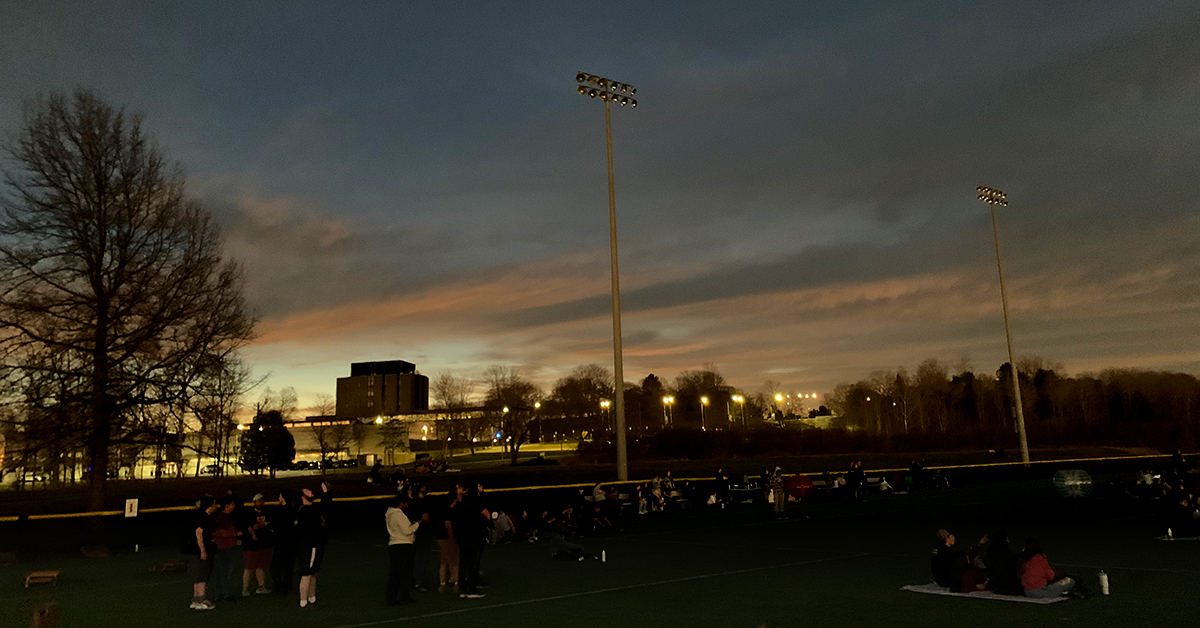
(511,399)
(452,395)
(324,404)
(106,265)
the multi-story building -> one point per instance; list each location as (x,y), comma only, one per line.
(376,389)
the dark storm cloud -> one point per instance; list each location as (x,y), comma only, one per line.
(395,153)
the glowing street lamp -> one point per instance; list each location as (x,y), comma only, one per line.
(994,197)
(668,404)
(610,92)
(703,402)
(741,401)
(607,405)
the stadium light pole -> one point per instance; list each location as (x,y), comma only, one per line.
(994,197)
(609,92)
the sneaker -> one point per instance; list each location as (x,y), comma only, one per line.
(263,590)
(203,605)
(245,592)
(443,587)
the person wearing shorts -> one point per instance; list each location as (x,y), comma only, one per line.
(311,535)
(199,546)
(258,541)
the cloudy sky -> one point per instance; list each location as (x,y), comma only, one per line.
(795,190)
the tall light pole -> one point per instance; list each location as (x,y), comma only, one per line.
(741,401)
(610,92)
(667,404)
(994,197)
(703,402)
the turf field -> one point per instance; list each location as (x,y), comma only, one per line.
(830,564)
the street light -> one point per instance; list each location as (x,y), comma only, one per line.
(703,402)
(668,404)
(741,401)
(994,197)
(606,404)
(610,92)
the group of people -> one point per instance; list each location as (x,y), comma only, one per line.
(462,526)
(993,566)
(284,540)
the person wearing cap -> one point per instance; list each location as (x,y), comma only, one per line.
(947,563)
(258,543)
(312,534)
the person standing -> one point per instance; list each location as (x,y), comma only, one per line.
(447,547)
(469,523)
(283,560)
(419,507)
(312,534)
(225,537)
(199,546)
(258,542)
(401,531)
(778,494)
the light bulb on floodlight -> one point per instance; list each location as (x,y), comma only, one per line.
(581,78)
(592,93)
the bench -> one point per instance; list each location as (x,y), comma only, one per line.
(41,577)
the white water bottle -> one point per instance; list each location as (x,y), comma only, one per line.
(1103,583)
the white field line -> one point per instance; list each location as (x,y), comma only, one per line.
(565,596)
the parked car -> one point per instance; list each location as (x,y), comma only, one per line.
(211,469)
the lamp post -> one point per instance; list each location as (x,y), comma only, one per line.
(741,401)
(994,197)
(703,402)
(606,405)
(668,404)
(611,92)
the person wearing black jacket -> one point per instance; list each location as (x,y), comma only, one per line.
(469,521)
(198,544)
(947,563)
(283,560)
(312,534)
(1001,566)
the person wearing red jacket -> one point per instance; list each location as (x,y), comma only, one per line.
(1037,577)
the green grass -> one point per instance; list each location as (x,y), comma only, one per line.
(843,565)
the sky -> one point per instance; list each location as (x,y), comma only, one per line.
(795,191)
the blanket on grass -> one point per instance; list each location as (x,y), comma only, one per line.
(979,595)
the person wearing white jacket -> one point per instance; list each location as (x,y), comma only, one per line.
(401,532)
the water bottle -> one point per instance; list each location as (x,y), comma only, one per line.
(1103,583)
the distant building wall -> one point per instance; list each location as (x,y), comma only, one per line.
(377,389)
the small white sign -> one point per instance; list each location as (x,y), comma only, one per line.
(131,507)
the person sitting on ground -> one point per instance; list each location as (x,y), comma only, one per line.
(1037,577)
(1182,521)
(1001,565)
(375,476)
(562,549)
(946,562)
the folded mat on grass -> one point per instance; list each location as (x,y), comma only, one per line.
(979,595)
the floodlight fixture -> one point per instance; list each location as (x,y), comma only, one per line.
(992,196)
